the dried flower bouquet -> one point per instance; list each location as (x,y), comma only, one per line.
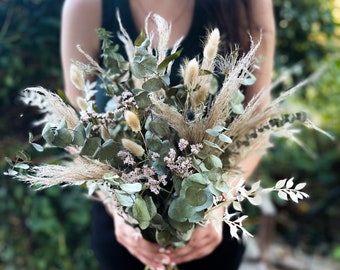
(163,155)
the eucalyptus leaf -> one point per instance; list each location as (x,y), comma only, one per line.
(91,146)
(124,198)
(213,145)
(48,133)
(237,108)
(179,210)
(38,147)
(108,152)
(151,206)
(140,213)
(22,166)
(63,138)
(153,84)
(131,188)
(79,135)
(213,162)
(181,226)
(225,138)
(153,142)
(159,127)
(212,132)
(195,196)
(143,100)
(164,238)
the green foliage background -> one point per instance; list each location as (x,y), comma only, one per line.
(50,229)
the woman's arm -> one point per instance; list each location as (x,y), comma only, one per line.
(259,23)
(80,19)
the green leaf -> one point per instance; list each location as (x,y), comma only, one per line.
(153,84)
(90,147)
(164,238)
(38,147)
(151,206)
(159,127)
(181,226)
(225,138)
(140,213)
(195,196)
(79,135)
(213,145)
(180,210)
(22,166)
(48,133)
(124,198)
(131,188)
(213,162)
(108,151)
(153,142)
(249,80)
(63,138)
(162,66)
(142,99)
(237,108)
(212,132)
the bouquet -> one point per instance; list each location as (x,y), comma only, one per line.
(164,156)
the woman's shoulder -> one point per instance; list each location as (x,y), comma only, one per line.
(83,7)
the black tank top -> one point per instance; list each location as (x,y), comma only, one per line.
(192,44)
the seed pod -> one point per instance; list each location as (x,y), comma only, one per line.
(132,120)
(133,147)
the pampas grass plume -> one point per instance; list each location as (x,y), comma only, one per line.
(132,120)
(133,147)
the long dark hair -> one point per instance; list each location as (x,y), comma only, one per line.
(225,14)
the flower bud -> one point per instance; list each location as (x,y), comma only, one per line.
(211,47)
(132,120)
(133,147)
(77,77)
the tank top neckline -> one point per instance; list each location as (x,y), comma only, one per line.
(126,15)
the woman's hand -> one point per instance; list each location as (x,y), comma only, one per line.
(204,240)
(148,253)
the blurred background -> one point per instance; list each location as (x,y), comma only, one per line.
(50,229)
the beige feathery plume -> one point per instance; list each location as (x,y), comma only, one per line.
(73,173)
(77,77)
(54,108)
(125,38)
(190,74)
(220,110)
(133,147)
(132,120)
(200,96)
(172,117)
(164,31)
(210,53)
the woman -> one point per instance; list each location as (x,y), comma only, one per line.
(236,19)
